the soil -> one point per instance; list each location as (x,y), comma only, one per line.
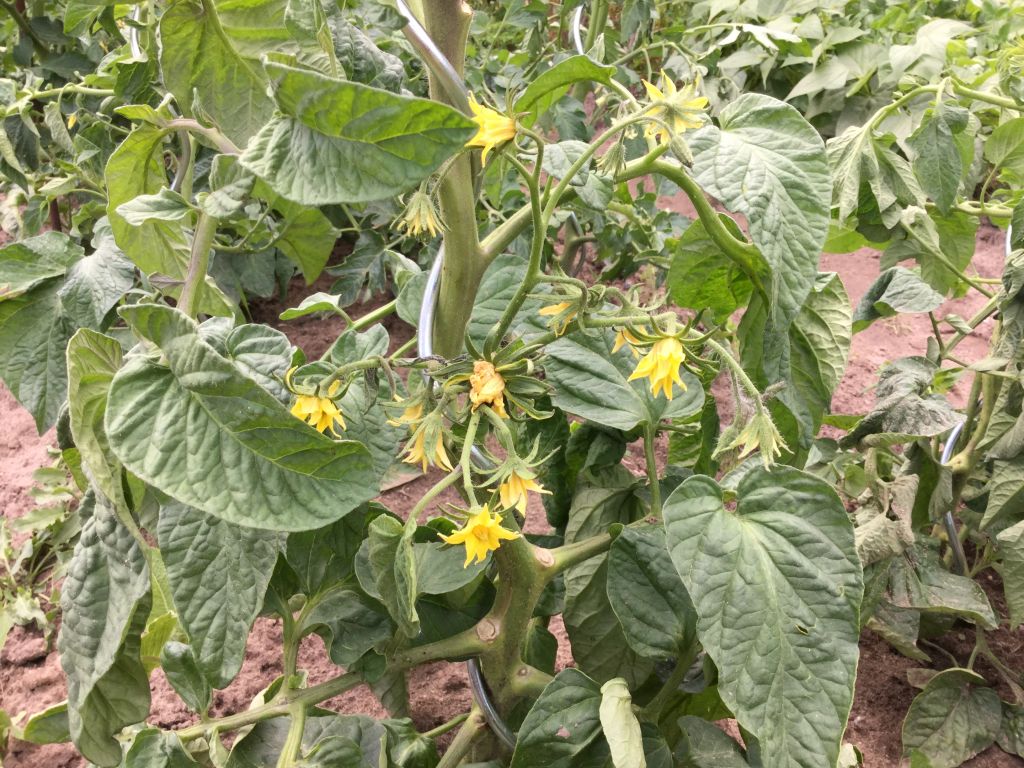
(30,674)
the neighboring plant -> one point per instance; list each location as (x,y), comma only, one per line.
(227,146)
(34,549)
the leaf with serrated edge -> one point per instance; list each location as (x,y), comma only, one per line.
(777,588)
(206,434)
(342,142)
(218,574)
(104,602)
(768,163)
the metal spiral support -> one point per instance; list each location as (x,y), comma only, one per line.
(959,556)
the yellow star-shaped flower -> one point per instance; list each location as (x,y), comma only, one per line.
(681,109)
(321,413)
(661,366)
(481,534)
(561,315)
(493,128)
(487,387)
(422,452)
(514,490)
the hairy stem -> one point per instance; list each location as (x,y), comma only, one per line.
(471,729)
(650,433)
(198,264)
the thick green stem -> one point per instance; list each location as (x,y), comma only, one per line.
(443,728)
(291,753)
(198,264)
(25,27)
(447,22)
(471,729)
(650,433)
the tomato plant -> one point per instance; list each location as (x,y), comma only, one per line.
(167,163)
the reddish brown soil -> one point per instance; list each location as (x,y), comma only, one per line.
(30,675)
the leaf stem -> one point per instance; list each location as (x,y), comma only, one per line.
(466,460)
(24,25)
(448,480)
(198,263)
(374,315)
(650,434)
(472,727)
(291,753)
(443,728)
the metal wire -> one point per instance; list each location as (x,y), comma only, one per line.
(577,38)
(453,84)
(959,556)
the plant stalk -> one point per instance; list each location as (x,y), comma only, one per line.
(198,264)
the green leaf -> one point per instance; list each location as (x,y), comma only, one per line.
(105,602)
(29,263)
(93,359)
(262,353)
(326,556)
(48,727)
(165,205)
(183,673)
(598,640)
(937,161)
(647,595)
(561,724)
(341,142)
(953,719)
(819,342)
(703,277)
(1011,733)
(904,408)
(243,458)
(394,569)
(552,84)
(136,168)
(620,726)
(363,61)
(305,235)
(768,163)
(498,286)
(34,330)
(218,574)
(920,581)
(936,242)
(593,383)
(894,291)
(317,302)
(207,76)
(705,745)
(1010,547)
(97,282)
(157,749)
(1005,147)
(1005,487)
(777,588)
(350,623)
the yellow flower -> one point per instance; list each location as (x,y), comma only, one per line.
(493,128)
(420,216)
(427,449)
(623,337)
(759,431)
(487,387)
(661,366)
(410,415)
(481,534)
(513,490)
(320,413)
(562,315)
(681,110)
